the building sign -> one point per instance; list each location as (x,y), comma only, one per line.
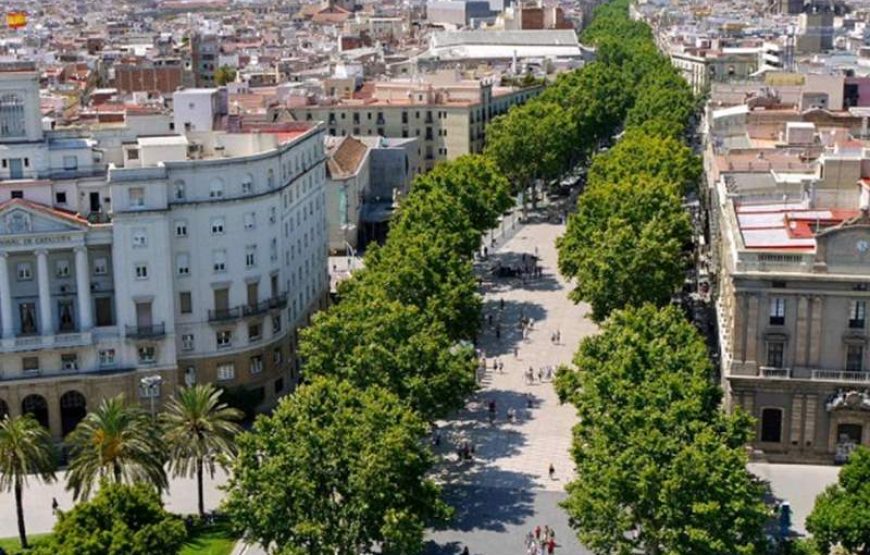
(33,241)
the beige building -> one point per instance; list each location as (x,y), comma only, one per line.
(791,230)
(446,114)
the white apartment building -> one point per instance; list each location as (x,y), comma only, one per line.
(195,259)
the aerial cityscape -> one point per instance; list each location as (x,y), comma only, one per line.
(434,277)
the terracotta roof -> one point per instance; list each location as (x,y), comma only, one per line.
(67,215)
(345,157)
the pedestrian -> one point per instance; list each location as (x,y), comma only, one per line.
(538,532)
(551,546)
(500,366)
(54,504)
(501,304)
(540,375)
(465,551)
(489,319)
(546,531)
(531,375)
(530,538)
(498,332)
(531,323)
(485,251)
(529,401)
(552,471)
(516,352)
(549,372)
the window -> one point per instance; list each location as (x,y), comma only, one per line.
(857,315)
(250,220)
(107,357)
(101,266)
(30,364)
(217,226)
(256,364)
(12,122)
(60,198)
(70,163)
(219,260)
(250,256)
(279,385)
(185,302)
(141,271)
(775,353)
(146,354)
(273,249)
(247,185)
(137,197)
(24,271)
(140,239)
(854,358)
(216,190)
(190,376)
(771,425)
(224,338)
(181,228)
(226,371)
(179,190)
(69,361)
(277,356)
(276,323)
(182,264)
(187,342)
(777,311)
(61,268)
(17,194)
(273,214)
(255,332)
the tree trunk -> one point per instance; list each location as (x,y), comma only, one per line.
(19,510)
(116,472)
(199,486)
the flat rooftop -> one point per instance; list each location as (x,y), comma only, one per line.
(785,225)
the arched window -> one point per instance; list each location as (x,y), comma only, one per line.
(216,189)
(37,407)
(11,116)
(771,425)
(179,191)
(247,184)
(270,178)
(72,409)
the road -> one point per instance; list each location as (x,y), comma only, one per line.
(506,491)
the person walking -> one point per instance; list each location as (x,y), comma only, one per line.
(516,352)
(538,532)
(552,471)
(465,551)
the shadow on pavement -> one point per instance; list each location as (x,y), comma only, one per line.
(507,320)
(450,548)
(506,500)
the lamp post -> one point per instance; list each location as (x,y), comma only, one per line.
(151,384)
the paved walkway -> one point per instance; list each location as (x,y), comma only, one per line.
(506,491)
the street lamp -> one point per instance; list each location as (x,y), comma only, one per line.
(151,384)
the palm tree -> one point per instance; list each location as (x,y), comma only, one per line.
(199,430)
(117,442)
(25,448)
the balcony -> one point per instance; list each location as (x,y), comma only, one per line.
(841,376)
(146,332)
(223,314)
(272,303)
(775,373)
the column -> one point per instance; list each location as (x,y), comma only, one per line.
(752,331)
(801,331)
(46,322)
(815,332)
(83,289)
(5,297)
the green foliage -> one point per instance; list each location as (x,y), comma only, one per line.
(660,469)
(335,470)
(841,514)
(639,155)
(224,75)
(624,245)
(26,450)
(210,539)
(120,520)
(118,442)
(370,340)
(199,432)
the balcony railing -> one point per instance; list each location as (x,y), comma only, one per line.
(772,372)
(272,303)
(221,314)
(146,332)
(840,376)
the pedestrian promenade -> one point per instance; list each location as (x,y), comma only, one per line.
(506,490)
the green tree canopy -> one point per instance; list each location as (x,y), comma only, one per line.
(639,154)
(841,514)
(120,520)
(224,75)
(335,470)
(374,341)
(625,245)
(119,442)
(660,469)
